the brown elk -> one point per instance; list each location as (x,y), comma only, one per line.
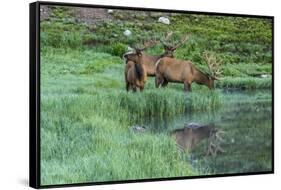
(149,61)
(180,71)
(135,71)
(191,135)
(134,76)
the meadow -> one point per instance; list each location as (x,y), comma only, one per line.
(87,115)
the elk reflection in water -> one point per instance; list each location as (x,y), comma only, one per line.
(192,134)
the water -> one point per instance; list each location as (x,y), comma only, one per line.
(246,119)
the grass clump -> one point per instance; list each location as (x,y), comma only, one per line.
(245,83)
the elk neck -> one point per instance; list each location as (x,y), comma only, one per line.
(139,68)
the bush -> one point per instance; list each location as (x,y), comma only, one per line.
(118,49)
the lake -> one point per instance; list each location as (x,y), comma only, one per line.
(246,119)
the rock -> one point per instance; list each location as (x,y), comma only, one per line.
(193,125)
(264,76)
(109,11)
(127,33)
(138,128)
(164,20)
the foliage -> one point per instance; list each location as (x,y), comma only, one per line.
(235,39)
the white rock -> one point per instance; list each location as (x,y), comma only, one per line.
(127,33)
(264,76)
(164,20)
(109,11)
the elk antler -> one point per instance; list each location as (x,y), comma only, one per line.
(164,41)
(145,45)
(181,42)
(174,45)
(213,63)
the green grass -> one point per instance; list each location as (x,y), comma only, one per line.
(85,124)
(80,143)
(86,113)
(245,83)
(235,39)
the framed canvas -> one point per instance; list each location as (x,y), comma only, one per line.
(122,94)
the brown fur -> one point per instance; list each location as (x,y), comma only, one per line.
(135,76)
(179,71)
(149,61)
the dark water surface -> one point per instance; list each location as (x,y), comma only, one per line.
(246,119)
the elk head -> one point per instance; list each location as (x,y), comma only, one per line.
(213,64)
(170,47)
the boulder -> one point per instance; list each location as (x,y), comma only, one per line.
(127,33)
(164,20)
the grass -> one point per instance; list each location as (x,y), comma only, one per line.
(85,126)
(86,114)
(88,146)
(251,43)
(92,113)
(245,83)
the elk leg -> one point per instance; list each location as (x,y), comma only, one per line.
(141,88)
(134,88)
(187,87)
(159,80)
(165,83)
(127,86)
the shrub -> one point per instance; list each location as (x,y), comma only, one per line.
(118,49)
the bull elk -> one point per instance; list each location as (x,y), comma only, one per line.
(191,135)
(180,71)
(135,71)
(149,61)
(134,76)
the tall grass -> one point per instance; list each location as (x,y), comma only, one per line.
(245,83)
(86,119)
(85,139)
(86,116)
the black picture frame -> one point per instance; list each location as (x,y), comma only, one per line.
(34,91)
